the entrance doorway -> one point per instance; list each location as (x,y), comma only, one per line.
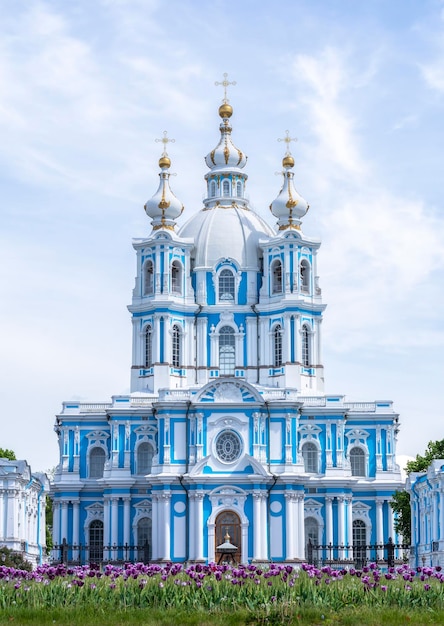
(229,522)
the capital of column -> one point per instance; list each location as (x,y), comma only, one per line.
(260,495)
(291,496)
(196,495)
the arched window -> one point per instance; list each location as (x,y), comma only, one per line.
(148,346)
(213,189)
(239,189)
(226,285)
(276,277)
(310,456)
(176,277)
(359,543)
(357,461)
(311,533)
(176,352)
(277,346)
(96,462)
(305,346)
(305,275)
(144,458)
(96,541)
(148,285)
(144,539)
(226,188)
(227,354)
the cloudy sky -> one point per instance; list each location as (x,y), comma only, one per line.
(85,89)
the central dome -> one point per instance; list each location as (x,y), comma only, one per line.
(226,232)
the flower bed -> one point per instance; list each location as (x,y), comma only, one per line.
(220,587)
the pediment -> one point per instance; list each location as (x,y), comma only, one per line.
(229,392)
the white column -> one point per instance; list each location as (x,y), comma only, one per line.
(286,339)
(64,520)
(341,525)
(257,530)
(192,527)
(75,528)
(350,527)
(244,543)
(114,526)
(154,527)
(264,527)
(435,524)
(379,526)
(290,501)
(127,521)
(10,511)
(199,529)
(55,524)
(167,526)
(329,520)
(106,527)
(157,339)
(301,528)
(441,513)
(2,515)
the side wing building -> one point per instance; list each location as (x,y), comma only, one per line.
(227,427)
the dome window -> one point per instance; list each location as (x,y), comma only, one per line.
(144,458)
(96,462)
(357,461)
(226,188)
(148,346)
(148,285)
(276,277)
(310,456)
(176,352)
(228,446)
(213,189)
(305,275)
(305,346)
(277,346)
(239,189)
(176,278)
(226,286)
(227,356)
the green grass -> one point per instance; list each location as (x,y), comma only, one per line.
(351,616)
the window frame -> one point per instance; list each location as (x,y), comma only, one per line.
(227,366)
(311,460)
(176,346)
(93,462)
(276,277)
(277,346)
(176,275)
(354,465)
(148,270)
(223,294)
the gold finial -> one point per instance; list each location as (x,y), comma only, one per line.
(165,140)
(225,84)
(287,140)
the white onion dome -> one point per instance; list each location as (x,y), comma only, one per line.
(289,207)
(164,208)
(225,155)
(222,232)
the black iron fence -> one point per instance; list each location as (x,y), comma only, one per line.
(82,554)
(357,556)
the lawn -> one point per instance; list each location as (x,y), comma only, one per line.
(207,595)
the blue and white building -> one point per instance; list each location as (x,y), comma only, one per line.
(23,510)
(227,426)
(426,491)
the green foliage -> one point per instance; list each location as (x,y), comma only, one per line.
(9,558)
(49,519)
(401,506)
(401,499)
(434,450)
(7,454)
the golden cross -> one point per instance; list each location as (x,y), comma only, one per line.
(165,140)
(225,84)
(287,140)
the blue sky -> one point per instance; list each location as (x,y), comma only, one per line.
(87,87)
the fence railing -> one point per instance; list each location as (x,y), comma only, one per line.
(388,553)
(82,554)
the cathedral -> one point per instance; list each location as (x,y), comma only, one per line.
(227,437)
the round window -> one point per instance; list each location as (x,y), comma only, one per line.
(228,446)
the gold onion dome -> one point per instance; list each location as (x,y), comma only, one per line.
(289,207)
(225,156)
(164,208)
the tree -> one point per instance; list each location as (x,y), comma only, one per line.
(401,499)
(9,558)
(7,454)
